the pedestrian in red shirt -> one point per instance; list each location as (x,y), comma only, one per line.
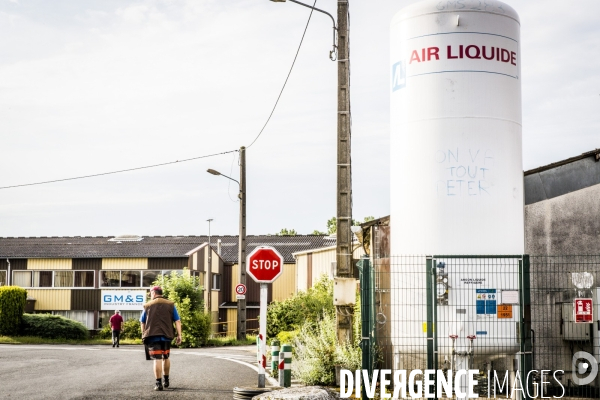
(116,325)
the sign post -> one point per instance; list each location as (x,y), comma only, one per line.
(264,264)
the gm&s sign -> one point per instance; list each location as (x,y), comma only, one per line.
(123,300)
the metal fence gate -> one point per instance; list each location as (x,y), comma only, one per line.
(510,317)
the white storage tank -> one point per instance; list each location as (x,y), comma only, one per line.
(456,154)
(456,167)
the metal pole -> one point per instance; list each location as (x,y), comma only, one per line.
(209,274)
(262,358)
(8,276)
(344,173)
(241,303)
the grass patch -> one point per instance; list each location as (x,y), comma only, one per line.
(216,342)
(38,340)
(231,341)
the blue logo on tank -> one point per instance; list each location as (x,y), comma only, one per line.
(398,76)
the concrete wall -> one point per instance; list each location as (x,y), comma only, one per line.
(564,225)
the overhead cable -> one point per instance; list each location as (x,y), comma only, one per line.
(118,172)
(286,79)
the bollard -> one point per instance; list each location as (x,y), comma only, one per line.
(258,349)
(285,366)
(274,355)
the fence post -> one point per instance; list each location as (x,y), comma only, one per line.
(285,366)
(430,304)
(525,359)
(367,307)
(274,355)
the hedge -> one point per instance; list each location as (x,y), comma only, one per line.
(12,303)
(52,327)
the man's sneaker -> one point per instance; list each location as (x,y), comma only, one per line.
(158,386)
(166,384)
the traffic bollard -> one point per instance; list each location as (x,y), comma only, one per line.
(274,355)
(285,366)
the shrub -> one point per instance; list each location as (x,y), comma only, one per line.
(317,350)
(195,325)
(287,337)
(12,302)
(186,292)
(52,327)
(131,330)
(291,314)
(178,287)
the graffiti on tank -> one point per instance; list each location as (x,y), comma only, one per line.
(466,172)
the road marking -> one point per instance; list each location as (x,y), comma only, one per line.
(271,380)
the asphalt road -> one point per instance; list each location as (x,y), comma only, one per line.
(103,372)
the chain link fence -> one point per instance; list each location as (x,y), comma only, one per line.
(512,318)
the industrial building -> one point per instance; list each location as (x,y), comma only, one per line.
(68,275)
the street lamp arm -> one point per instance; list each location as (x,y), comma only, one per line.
(317,9)
(213,172)
(332,53)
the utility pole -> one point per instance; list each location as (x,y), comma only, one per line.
(209,274)
(344,172)
(241,303)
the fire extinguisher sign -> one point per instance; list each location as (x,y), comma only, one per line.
(582,309)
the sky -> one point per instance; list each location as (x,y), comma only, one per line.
(94,86)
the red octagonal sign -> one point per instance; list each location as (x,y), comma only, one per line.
(264,264)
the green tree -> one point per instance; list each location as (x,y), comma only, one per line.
(287,232)
(318,232)
(332,224)
(187,293)
(12,303)
(291,313)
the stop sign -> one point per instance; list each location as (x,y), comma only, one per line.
(264,264)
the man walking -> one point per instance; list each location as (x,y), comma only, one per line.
(157,333)
(116,325)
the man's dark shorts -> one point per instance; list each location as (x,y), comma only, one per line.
(159,350)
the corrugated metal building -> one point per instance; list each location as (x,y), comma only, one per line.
(67,275)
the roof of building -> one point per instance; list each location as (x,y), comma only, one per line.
(562,177)
(151,246)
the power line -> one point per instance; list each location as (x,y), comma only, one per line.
(118,172)
(286,79)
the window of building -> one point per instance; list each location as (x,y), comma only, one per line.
(22,278)
(42,279)
(148,277)
(2,278)
(84,317)
(63,279)
(216,282)
(110,278)
(53,279)
(131,278)
(84,279)
(143,278)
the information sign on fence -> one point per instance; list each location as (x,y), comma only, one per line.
(582,309)
(505,311)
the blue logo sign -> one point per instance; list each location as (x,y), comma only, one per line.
(398,76)
(123,298)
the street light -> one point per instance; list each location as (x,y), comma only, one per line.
(341,54)
(241,303)
(332,53)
